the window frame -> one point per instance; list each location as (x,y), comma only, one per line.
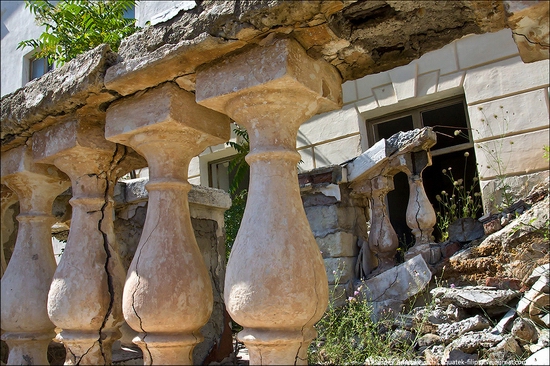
(416,114)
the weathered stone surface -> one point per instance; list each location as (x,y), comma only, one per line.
(538,288)
(473,296)
(271,105)
(371,162)
(356,37)
(543,270)
(77,83)
(471,341)
(449,332)
(398,283)
(524,331)
(529,24)
(167,63)
(466,229)
(339,244)
(428,340)
(504,323)
(457,357)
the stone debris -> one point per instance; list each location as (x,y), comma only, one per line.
(465,229)
(399,283)
(473,296)
(449,332)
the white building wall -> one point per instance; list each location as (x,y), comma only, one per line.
(17,25)
(488,71)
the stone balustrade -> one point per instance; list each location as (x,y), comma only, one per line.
(371,175)
(276,284)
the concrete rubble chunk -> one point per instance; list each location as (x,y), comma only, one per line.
(471,341)
(538,288)
(398,283)
(457,357)
(369,162)
(504,323)
(466,229)
(473,296)
(524,331)
(448,332)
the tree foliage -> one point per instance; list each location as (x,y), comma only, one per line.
(238,164)
(76,26)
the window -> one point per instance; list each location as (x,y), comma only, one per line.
(445,117)
(220,177)
(38,67)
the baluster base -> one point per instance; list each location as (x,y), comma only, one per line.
(277,347)
(167,349)
(28,348)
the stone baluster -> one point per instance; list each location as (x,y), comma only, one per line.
(86,291)
(7,199)
(276,285)
(168,294)
(421,216)
(383,241)
(26,282)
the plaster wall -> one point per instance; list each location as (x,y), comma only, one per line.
(486,69)
(17,25)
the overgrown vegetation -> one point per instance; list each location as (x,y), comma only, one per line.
(76,26)
(240,168)
(463,201)
(353,334)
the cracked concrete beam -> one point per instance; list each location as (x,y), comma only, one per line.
(529,22)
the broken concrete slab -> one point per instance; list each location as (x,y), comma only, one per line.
(448,332)
(473,296)
(398,283)
(541,357)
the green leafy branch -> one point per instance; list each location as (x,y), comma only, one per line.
(76,26)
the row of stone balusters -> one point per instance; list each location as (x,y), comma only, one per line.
(276,285)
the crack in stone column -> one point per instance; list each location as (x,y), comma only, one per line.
(134,294)
(530,41)
(108,176)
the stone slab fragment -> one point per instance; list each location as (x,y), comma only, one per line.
(448,332)
(476,50)
(473,296)
(520,154)
(402,142)
(398,283)
(339,270)
(504,78)
(328,126)
(471,341)
(541,357)
(514,114)
(465,229)
(166,63)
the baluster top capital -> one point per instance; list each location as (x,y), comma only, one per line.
(282,65)
(167,109)
(20,161)
(73,136)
